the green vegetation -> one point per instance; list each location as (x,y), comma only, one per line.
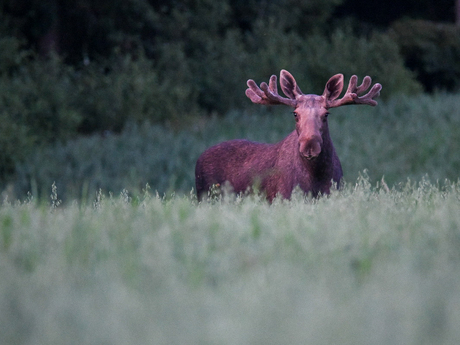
(368,265)
(105,107)
(432,50)
(401,138)
(76,68)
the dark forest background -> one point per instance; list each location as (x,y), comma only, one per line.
(73,68)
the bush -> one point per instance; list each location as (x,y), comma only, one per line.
(130,89)
(403,137)
(37,106)
(376,56)
(192,59)
(47,101)
(431,50)
(139,155)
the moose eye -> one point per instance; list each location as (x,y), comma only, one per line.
(296,116)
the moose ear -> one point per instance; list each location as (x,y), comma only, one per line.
(333,87)
(289,85)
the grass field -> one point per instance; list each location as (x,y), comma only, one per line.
(370,264)
(377,262)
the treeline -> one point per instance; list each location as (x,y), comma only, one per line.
(70,68)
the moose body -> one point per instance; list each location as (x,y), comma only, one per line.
(305,158)
(273,168)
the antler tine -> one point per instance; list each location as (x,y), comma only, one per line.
(273,85)
(367,81)
(353,91)
(267,94)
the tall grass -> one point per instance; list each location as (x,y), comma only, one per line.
(368,265)
(377,262)
(404,137)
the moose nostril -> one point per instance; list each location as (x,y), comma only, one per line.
(308,155)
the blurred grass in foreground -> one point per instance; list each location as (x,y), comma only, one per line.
(367,265)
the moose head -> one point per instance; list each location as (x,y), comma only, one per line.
(311,111)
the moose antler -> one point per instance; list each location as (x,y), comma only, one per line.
(267,94)
(352,94)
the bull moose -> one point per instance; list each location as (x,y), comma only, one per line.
(305,158)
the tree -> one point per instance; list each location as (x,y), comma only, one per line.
(457,12)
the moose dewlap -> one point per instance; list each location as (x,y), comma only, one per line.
(305,158)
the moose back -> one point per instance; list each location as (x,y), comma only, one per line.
(305,158)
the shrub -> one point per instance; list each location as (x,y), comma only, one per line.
(431,50)
(46,101)
(403,137)
(130,89)
(162,72)
(153,154)
(344,52)
(36,107)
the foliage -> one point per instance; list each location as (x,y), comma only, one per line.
(151,154)
(130,90)
(13,54)
(368,265)
(384,13)
(85,67)
(45,102)
(403,137)
(431,50)
(346,53)
(36,107)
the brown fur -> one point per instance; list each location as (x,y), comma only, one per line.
(305,158)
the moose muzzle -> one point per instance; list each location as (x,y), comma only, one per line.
(310,148)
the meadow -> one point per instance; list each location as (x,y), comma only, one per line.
(119,251)
(367,265)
